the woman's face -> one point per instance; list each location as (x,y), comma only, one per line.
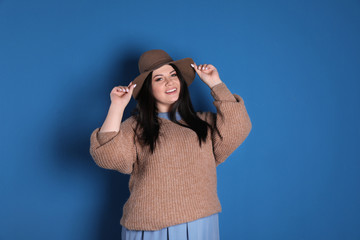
(165,86)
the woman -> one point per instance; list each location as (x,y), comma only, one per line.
(170,151)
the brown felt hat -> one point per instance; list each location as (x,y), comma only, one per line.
(153,59)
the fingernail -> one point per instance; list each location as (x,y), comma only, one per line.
(127,90)
(134,85)
(192,65)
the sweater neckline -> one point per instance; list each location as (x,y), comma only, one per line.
(165,115)
(165,120)
(168,121)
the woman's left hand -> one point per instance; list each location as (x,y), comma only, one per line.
(208,74)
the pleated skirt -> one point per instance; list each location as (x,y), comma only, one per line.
(206,228)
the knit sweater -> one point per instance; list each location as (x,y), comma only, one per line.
(177,183)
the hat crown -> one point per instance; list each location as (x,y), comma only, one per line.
(152,59)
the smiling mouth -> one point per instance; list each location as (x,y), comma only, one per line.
(171,91)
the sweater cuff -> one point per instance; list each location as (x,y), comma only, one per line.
(104,137)
(220,92)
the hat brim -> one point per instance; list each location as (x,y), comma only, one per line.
(183,65)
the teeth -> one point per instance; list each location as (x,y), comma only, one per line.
(171,90)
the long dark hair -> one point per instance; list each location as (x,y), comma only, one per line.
(146,113)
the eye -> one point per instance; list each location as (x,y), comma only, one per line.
(174,75)
(158,79)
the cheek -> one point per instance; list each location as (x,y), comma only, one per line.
(178,83)
(156,90)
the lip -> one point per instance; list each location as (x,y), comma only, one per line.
(171,92)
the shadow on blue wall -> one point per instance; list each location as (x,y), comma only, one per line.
(75,145)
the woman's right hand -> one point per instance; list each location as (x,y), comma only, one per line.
(121,95)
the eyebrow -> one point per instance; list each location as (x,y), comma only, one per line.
(162,74)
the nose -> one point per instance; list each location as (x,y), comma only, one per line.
(168,81)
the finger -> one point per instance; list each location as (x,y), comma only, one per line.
(132,89)
(209,66)
(204,67)
(118,94)
(195,67)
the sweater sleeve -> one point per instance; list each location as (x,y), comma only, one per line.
(232,121)
(115,150)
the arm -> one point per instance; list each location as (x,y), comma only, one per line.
(113,145)
(232,121)
(115,150)
(113,119)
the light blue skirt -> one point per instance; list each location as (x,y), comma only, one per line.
(206,228)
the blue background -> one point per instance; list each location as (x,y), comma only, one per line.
(295,63)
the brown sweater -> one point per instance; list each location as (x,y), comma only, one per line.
(178,182)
